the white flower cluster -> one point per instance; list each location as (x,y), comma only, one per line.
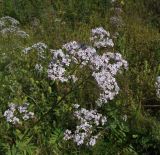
(101,38)
(79,54)
(16,114)
(71,46)
(10,25)
(104,67)
(76,54)
(158,87)
(57,66)
(40,47)
(89,122)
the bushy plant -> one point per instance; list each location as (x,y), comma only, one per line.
(60,96)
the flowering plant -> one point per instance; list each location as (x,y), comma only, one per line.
(103,69)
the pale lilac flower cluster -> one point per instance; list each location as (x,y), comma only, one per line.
(158,87)
(101,38)
(76,54)
(40,47)
(86,54)
(71,46)
(104,67)
(57,67)
(16,114)
(89,122)
(79,53)
(9,114)
(9,25)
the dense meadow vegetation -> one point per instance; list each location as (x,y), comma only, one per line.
(79,77)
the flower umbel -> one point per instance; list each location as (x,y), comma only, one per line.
(17,114)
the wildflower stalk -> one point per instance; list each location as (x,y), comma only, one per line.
(51,109)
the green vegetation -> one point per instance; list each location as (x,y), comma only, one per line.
(133,121)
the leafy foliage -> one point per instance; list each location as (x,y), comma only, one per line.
(133,122)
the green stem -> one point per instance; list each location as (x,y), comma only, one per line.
(50,110)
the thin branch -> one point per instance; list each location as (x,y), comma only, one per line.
(152,106)
(50,110)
